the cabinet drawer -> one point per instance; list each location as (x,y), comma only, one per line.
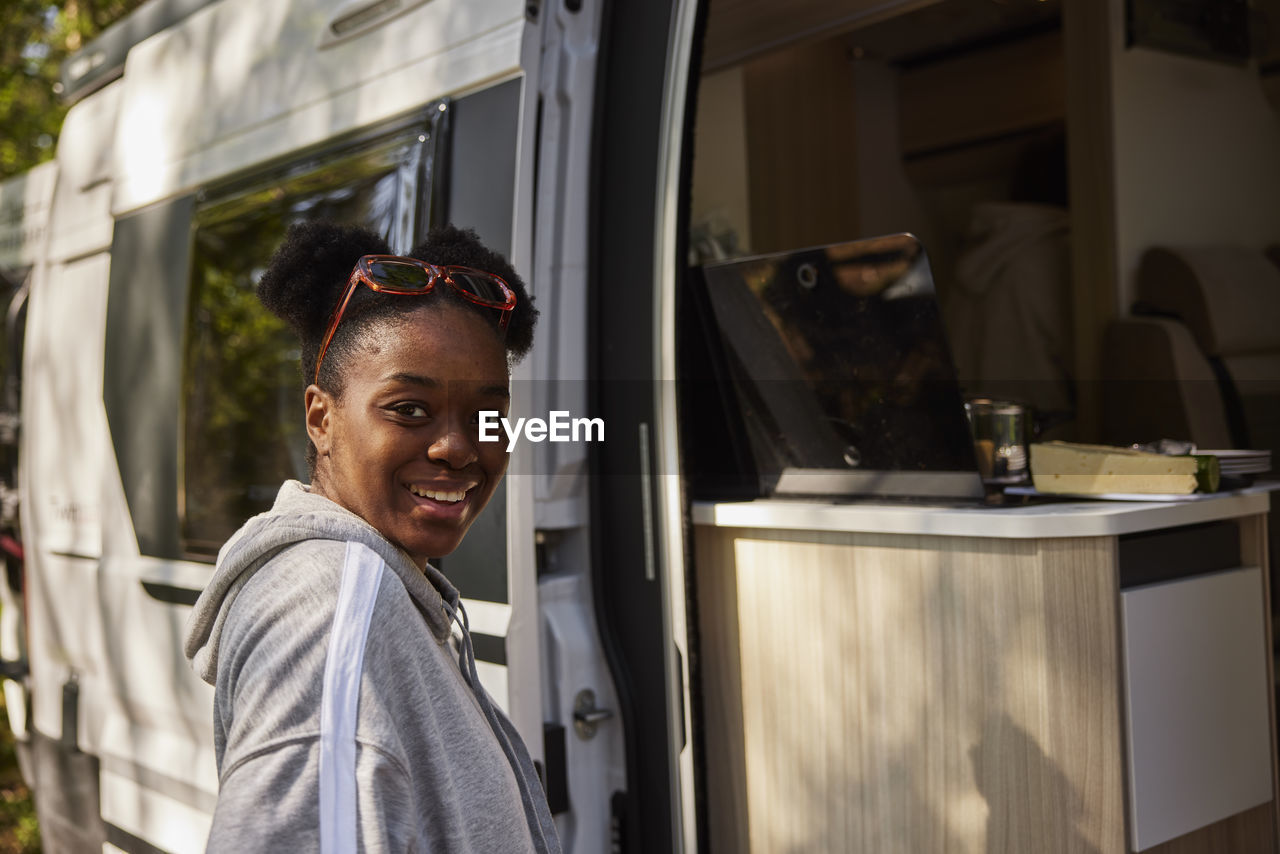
(1196,701)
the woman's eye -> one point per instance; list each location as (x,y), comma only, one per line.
(410,410)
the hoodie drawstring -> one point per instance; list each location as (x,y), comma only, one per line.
(467,664)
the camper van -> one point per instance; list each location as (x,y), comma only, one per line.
(162,400)
(754,617)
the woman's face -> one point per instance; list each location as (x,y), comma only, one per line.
(400,449)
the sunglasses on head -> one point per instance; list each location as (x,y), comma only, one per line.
(395,274)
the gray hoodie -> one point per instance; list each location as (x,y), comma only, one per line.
(347,714)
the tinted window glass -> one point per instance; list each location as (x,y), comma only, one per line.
(12,322)
(243,430)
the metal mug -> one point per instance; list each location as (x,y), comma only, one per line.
(1001,431)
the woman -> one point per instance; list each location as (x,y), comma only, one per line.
(348,715)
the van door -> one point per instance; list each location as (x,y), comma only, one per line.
(634,513)
(551,491)
(24,211)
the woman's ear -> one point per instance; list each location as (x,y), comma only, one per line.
(319,424)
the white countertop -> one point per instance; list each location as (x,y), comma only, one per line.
(1083,518)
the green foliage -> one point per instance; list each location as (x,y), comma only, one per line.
(19,832)
(242,390)
(35,37)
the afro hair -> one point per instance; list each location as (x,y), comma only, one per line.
(309,272)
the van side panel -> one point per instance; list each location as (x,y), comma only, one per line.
(267,87)
(64,433)
(64,442)
(25,202)
(114,708)
(24,215)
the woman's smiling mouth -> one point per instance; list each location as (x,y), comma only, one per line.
(451,495)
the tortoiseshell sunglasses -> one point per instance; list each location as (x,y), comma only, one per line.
(395,274)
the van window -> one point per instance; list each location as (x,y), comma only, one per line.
(13,294)
(243,429)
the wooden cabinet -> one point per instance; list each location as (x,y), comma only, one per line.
(953,688)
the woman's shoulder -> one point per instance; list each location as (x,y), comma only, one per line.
(313,600)
(287,603)
(300,588)
(300,573)
(279,625)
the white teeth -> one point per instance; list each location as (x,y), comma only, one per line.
(435,495)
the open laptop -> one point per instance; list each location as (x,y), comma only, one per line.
(833,374)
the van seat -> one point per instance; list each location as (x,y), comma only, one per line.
(1228,298)
(1158,384)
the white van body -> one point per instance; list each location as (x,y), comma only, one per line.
(236,103)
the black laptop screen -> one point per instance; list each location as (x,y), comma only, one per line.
(841,377)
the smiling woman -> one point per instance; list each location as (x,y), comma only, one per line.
(400,447)
(325,629)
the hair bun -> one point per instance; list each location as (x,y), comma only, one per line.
(450,244)
(308,271)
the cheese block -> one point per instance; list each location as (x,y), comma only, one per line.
(1070,468)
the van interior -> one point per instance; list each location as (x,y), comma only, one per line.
(1021,139)
(1097,187)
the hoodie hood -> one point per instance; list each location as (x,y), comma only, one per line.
(999,231)
(298,515)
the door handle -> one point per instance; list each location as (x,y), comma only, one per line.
(173,594)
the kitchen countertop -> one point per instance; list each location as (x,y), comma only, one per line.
(1045,518)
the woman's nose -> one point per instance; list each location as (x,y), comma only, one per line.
(455,447)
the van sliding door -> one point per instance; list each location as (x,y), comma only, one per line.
(639,560)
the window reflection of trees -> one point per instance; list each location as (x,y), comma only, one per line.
(12,324)
(243,422)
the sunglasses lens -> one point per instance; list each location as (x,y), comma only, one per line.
(484,287)
(393,274)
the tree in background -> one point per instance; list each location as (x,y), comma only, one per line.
(35,37)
